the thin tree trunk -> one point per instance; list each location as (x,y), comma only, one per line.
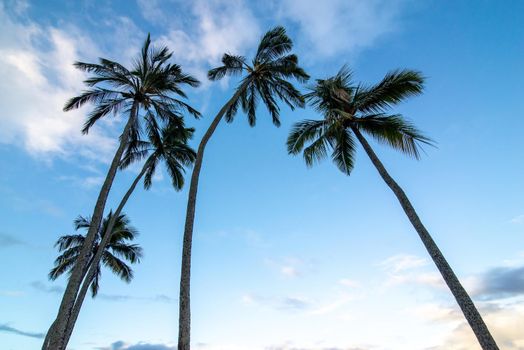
(98,256)
(48,335)
(59,326)
(461,296)
(184,317)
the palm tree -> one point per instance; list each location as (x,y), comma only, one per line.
(266,79)
(168,145)
(114,255)
(152,85)
(350,109)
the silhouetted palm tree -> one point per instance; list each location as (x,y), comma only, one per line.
(149,85)
(350,109)
(265,79)
(114,254)
(168,145)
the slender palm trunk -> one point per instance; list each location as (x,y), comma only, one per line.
(98,256)
(461,296)
(59,326)
(184,317)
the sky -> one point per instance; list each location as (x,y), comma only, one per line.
(284,257)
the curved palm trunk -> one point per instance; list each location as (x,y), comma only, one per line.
(461,296)
(58,328)
(98,256)
(184,317)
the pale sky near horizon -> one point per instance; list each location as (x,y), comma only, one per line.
(284,257)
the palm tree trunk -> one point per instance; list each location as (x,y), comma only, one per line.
(461,296)
(96,259)
(184,317)
(59,326)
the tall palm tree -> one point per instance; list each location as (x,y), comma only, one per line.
(168,145)
(151,84)
(114,254)
(349,110)
(265,79)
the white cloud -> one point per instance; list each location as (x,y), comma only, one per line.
(37,79)
(217,26)
(341,26)
(151,10)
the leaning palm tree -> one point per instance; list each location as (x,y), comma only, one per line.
(349,110)
(265,79)
(169,145)
(114,254)
(151,84)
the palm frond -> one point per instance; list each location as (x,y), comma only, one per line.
(110,106)
(394,131)
(61,266)
(303,132)
(270,103)
(273,44)
(131,252)
(286,67)
(95,282)
(343,146)
(395,87)
(97,95)
(69,241)
(117,266)
(232,65)
(150,172)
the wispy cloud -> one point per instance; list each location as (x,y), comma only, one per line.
(402,262)
(280,303)
(290,267)
(519,219)
(122,345)
(217,27)
(8,329)
(42,287)
(331,27)
(87,182)
(12,293)
(7,240)
(160,298)
(37,79)
(501,282)
(332,305)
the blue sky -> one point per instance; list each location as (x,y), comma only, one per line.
(285,257)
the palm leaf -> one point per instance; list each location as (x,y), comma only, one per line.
(394,131)
(393,89)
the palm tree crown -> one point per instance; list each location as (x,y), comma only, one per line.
(169,144)
(115,254)
(265,78)
(149,84)
(346,105)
